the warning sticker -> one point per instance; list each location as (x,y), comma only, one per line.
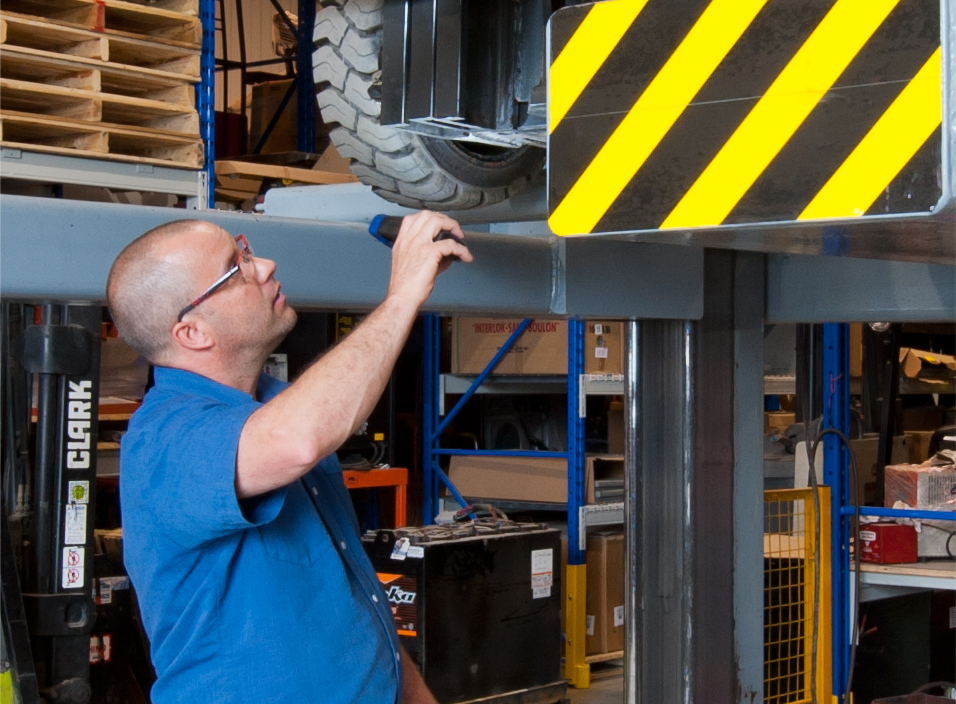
(74,530)
(79,492)
(618,616)
(542,573)
(416,551)
(600,352)
(73,561)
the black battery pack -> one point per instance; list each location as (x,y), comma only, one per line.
(477,606)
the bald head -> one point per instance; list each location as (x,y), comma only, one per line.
(150,282)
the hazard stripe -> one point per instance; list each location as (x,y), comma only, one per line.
(887,148)
(688,68)
(780,112)
(586,52)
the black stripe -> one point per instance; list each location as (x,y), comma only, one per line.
(564,23)
(748,70)
(918,186)
(638,57)
(872,81)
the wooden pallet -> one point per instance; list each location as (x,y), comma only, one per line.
(115,47)
(175,20)
(241,180)
(54,135)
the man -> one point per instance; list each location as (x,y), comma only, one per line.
(239,537)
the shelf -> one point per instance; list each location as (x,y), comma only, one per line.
(883,581)
(786,386)
(591,515)
(460,383)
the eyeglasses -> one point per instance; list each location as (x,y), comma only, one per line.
(245,257)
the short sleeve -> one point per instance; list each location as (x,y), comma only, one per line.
(189,482)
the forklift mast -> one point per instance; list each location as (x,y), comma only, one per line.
(49,501)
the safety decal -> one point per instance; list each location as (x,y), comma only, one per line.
(678,114)
(74,559)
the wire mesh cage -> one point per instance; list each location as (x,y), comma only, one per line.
(797,596)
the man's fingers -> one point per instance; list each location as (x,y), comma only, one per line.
(450,248)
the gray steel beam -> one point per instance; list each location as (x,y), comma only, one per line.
(57,250)
(833,289)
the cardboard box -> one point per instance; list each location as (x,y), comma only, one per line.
(926,365)
(920,487)
(601,467)
(604,608)
(542,349)
(542,479)
(865,451)
(856,350)
(777,422)
(535,479)
(266,98)
(615,428)
(604,347)
(918,442)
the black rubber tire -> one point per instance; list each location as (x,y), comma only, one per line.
(400,166)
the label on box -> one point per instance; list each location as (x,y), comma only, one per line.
(101,648)
(867,536)
(73,560)
(108,585)
(400,551)
(600,352)
(598,329)
(74,530)
(542,573)
(618,616)
(416,551)
(589,625)
(402,592)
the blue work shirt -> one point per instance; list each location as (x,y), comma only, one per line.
(269,599)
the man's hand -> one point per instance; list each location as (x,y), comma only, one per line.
(417,259)
(416,691)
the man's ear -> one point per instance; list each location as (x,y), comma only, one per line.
(192,335)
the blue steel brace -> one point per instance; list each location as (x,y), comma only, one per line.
(575,452)
(206,94)
(305,87)
(836,414)
(431,355)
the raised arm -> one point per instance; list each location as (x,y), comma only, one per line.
(285,438)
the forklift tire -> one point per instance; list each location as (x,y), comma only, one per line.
(400,166)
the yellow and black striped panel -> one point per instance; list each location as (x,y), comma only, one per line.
(696,113)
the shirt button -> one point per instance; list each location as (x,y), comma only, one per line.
(398,656)
(374,598)
(315,490)
(343,545)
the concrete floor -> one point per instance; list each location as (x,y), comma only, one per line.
(603,690)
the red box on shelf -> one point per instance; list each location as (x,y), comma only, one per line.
(887,543)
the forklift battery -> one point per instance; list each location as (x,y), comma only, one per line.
(476,605)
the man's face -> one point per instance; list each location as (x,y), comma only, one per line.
(249,312)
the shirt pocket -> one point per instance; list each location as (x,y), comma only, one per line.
(297,535)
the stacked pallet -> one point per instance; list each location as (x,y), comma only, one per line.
(102,78)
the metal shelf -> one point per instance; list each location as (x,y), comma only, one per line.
(591,515)
(883,581)
(52,168)
(786,386)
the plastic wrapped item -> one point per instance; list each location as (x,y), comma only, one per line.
(921,486)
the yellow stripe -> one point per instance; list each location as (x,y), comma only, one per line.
(780,112)
(655,112)
(886,149)
(589,46)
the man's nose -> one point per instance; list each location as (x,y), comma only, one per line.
(265,268)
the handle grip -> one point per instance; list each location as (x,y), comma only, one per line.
(385,229)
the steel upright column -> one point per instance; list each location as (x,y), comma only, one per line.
(693,482)
(836,414)
(430,355)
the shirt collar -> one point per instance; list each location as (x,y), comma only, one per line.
(182,381)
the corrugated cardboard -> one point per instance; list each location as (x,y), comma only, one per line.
(926,365)
(865,451)
(920,487)
(918,442)
(615,428)
(776,421)
(542,479)
(604,347)
(601,467)
(605,594)
(541,349)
